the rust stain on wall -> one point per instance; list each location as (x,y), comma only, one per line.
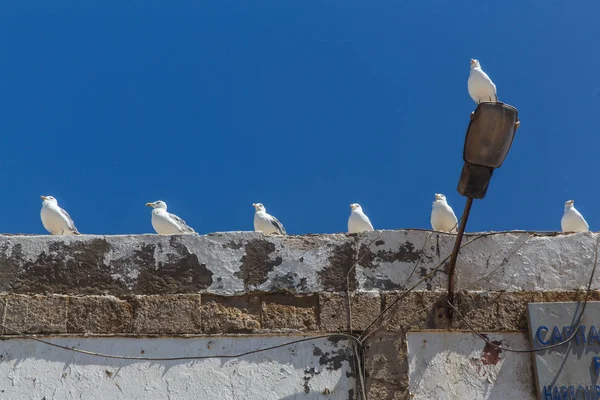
(490,355)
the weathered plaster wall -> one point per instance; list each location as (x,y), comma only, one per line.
(471,368)
(248,283)
(244,262)
(31,370)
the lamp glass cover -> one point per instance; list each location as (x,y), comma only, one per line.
(490,134)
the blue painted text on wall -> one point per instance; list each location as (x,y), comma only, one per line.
(585,336)
(571,392)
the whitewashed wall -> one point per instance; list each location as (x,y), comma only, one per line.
(459,365)
(31,370)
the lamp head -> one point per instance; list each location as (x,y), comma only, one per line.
(489,136)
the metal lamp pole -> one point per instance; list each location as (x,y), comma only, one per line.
(489,137)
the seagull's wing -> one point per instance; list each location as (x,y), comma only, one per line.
(455,227)
(275,222)
(495,92)
(582,219)
(453,214)
(184,227)
(491,82)
(368,221)
(69,221)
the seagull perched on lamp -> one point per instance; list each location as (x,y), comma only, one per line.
(481,88)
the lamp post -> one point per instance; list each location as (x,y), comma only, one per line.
(489,137)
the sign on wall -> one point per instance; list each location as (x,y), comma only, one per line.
(572,370)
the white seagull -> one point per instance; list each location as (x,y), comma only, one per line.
(572,220)
(358,221)
(165,223)
(481,87)
(266,223)
(442,216)
(56,220)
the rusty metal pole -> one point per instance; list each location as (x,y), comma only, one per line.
(459,237)
(490,134)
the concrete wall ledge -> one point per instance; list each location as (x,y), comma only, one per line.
(236,263)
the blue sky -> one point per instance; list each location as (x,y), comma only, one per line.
(303,106)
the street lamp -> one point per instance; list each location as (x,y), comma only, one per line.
(489,137)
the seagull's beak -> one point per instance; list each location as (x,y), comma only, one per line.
(149,204)
(43,197)
(472,62)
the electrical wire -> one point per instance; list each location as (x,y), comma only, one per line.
(118,357)
(573,334)
(431,274)
(358,355)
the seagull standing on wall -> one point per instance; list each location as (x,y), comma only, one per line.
(572,220)
(481,87)
(266,223)
(56,220)
(165,223)
(442,215)
(358,221)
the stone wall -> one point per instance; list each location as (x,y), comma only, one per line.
(245,283)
